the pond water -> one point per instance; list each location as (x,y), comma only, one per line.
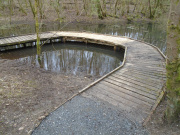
(153,33)
(70,58)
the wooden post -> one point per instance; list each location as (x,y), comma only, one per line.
(64,39)
(24,45)
(61,39)
(115,48)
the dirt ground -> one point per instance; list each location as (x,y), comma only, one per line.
(28,94)
(159,126)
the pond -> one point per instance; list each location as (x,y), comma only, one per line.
(70,58)
(153,33)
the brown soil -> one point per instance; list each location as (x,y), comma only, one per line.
(28,94)
(159,126)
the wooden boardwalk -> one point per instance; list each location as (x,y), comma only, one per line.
(136,87)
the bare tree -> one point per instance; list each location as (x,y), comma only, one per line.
(21,7)
(41,8)
(101,13)
(115,7)
(58,8)
(150,10)
(104,8)
(85,6)
(77,7)
(37,28)
(32,7)
(10,3)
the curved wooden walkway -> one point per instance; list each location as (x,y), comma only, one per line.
(136,87)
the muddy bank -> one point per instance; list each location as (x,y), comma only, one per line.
(28,94)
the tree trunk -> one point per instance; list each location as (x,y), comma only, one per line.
(37,28)
(77,7)
(32,8)
(128,4)
(41,9)
(115,7)
(57,8)
(135,6)
(111,6)
(100,12)
(173,62)
(150,10)
(21,7)
(104,8)
(10,9)
(156,6)
(85,6)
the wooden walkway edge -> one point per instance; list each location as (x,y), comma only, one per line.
(135,87)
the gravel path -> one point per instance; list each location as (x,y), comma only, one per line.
(88,116)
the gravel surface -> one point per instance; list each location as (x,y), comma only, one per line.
(85,116)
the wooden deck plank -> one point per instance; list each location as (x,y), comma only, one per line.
(106,98)
(19,40)
(120,93)
(145,89)
(142,59)
(1,42)
(128,92)
(145,69)
(155,84)
(10,40)
(147,72)
(136,81)
(153,63)
(6,41)
(45,36)
(141,77)
(30,37)
(132,88)
(15,39)
(143,74)
(117,98)
(23,38)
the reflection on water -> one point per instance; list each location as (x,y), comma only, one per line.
(70,58)
(152,33)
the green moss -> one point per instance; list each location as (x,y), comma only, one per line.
(178,41)
(173,89)
(178,71)
(177,91)
(177,1)
(178,29)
